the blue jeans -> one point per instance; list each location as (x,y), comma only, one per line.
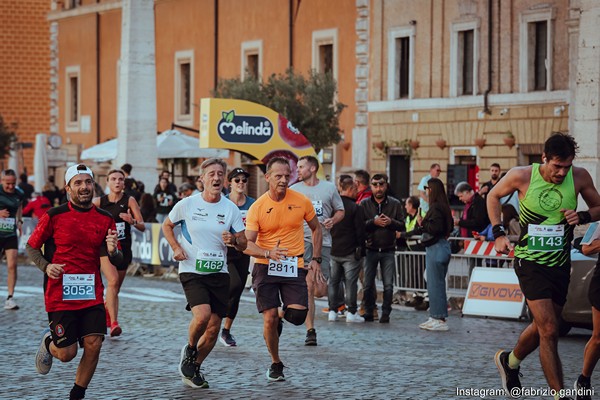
(325,269)
(387,263)
(437,258)
(349,268)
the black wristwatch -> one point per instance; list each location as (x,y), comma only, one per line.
(317,259)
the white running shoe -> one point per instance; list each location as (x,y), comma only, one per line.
(10,304)
(332,316)
(426,323)
(354,317)
(437,325)
(43,358)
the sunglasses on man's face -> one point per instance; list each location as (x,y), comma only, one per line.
(237,180)
(377,184)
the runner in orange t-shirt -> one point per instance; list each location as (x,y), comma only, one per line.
(275,233)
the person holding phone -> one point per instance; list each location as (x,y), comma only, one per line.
(382,216)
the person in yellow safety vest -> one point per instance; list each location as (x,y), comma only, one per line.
(413,209)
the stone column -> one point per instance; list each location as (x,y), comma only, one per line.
(360,142)
(584,112)
(136,113)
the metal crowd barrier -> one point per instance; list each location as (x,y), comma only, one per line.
(410,268)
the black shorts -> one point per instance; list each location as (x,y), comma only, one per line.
(71,326)
(211,289)
(541,282)
(127,257)
(9,243)
(594,290)
(273,291)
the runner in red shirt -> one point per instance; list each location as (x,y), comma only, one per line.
(79,241)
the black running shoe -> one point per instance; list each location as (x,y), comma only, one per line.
(275,372)
(311,338)
(509,376)
(583,388)
(187,362)
(227,338)
(197,381)
(368,317)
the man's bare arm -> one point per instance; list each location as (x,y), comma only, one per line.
(513,181)
(178,253)
(253,250)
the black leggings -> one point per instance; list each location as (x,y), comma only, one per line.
(238,273)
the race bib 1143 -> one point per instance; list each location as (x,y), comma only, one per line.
(545,237)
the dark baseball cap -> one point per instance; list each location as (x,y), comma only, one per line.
(237,171)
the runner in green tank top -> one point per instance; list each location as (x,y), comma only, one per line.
(548,200)
(545,233)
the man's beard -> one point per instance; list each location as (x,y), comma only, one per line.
(78,202)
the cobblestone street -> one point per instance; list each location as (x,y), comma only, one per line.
(371,360)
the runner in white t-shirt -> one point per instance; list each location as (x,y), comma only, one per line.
(209,224)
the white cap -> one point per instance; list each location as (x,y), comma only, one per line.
(76,170)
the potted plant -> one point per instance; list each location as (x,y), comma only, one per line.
(509,139)
(441,143)
(480,142)
(379,145)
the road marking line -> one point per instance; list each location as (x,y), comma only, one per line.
(158,292)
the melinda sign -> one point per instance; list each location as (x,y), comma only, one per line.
(494,292)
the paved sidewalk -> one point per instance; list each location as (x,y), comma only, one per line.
(352,361)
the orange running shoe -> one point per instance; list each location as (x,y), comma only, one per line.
(115,329)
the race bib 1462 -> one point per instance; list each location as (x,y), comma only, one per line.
(210,261)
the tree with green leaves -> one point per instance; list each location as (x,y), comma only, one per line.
(7,138)
(309,103)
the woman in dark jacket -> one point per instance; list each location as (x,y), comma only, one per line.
(435,228)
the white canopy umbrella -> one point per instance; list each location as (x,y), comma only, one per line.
(174,144)
(13,161)
(170,144)
(101,152)
(40,161)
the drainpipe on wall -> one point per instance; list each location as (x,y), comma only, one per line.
(97,76)
(216,44)
(291,33)
(486,108)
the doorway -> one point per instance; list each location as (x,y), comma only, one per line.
(399,173)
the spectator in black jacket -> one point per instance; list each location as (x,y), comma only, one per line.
(26,187)
(347,240)
(474,217)
(382,216)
